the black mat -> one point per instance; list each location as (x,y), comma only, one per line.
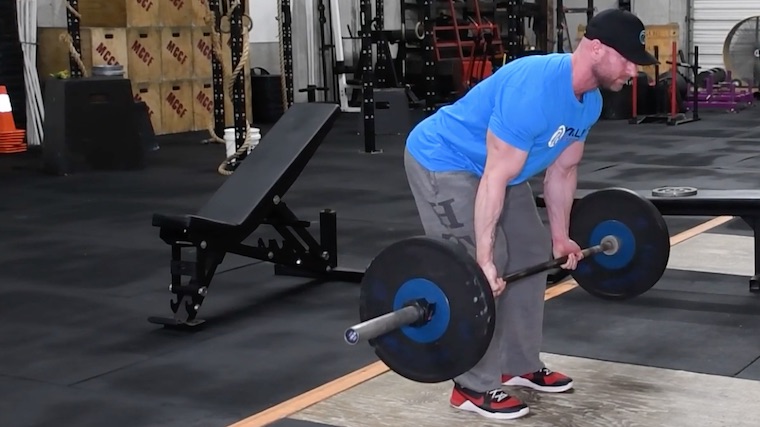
(690,321)
(82,269)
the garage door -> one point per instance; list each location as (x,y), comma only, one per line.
(712,20)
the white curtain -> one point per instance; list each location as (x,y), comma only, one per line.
(26,12)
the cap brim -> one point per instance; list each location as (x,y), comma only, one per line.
(642,57)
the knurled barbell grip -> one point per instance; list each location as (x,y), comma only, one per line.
(384,324)
(608,243)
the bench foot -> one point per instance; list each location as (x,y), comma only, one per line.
(754,284)
(177,324)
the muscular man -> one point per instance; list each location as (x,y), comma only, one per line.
(468,167)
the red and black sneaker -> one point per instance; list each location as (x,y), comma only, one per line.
(542,380)
(491,404)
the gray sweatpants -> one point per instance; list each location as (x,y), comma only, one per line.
(446,202)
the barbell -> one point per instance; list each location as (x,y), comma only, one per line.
(428,310)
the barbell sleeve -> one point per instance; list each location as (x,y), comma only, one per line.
(384,324)
(607,244)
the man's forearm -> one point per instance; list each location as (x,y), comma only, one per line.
(489,203)
(559,192)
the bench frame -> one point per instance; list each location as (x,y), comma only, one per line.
(297,253)
(212,236)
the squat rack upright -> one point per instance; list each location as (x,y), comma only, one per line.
(562,11)
(371,34)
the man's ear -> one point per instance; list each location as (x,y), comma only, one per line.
(597,49)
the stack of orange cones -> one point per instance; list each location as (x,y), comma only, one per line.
(11,139)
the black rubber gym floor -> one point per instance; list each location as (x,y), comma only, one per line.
(82,268)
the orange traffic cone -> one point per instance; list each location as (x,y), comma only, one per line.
(11,139)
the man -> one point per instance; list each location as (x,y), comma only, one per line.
(468,167)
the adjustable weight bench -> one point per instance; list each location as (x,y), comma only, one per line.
(741,203)
(253,196)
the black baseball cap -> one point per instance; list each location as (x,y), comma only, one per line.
(622,31)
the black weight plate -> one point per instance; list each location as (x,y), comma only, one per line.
(644,243)
(441,271)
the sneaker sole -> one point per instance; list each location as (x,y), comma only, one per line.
(522,382)
(471,407)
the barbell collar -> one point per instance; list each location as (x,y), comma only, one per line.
(411,314)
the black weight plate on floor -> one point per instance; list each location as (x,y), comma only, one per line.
(644,243)
(425,267)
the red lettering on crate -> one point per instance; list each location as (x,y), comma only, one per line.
(106,54)
(205,101)
(176,52)
(204,48)
(176,104)
(142,53)
(146,4)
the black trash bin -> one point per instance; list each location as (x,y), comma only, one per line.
(266,91)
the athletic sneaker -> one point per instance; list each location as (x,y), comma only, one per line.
(542,380)
(491,404)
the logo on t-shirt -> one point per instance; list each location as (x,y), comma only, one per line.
(558,134)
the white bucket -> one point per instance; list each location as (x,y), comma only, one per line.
(229,141)
(254,136)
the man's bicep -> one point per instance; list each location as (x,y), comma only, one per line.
(503,159)
(570,157)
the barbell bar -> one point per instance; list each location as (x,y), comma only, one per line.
(416,312)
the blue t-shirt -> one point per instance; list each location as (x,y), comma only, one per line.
(528,103)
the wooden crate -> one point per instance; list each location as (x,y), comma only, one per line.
(202,53)
(176,106)
(200,9)
(105,46)
(662,37)
(203,104)
(177,53)
(176,13)
(150,93)
(52,53)
(144,56)
(119,13)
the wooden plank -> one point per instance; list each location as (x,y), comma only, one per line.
(105,46)
(203,104)
(177,53)
(144,57)
(150,93)
(176,106)
(200,12)
(52,53)
(176,13)
(202,54)
(119,13)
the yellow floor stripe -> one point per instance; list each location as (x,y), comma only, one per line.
(324,392)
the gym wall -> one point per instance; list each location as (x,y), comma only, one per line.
(265,46)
